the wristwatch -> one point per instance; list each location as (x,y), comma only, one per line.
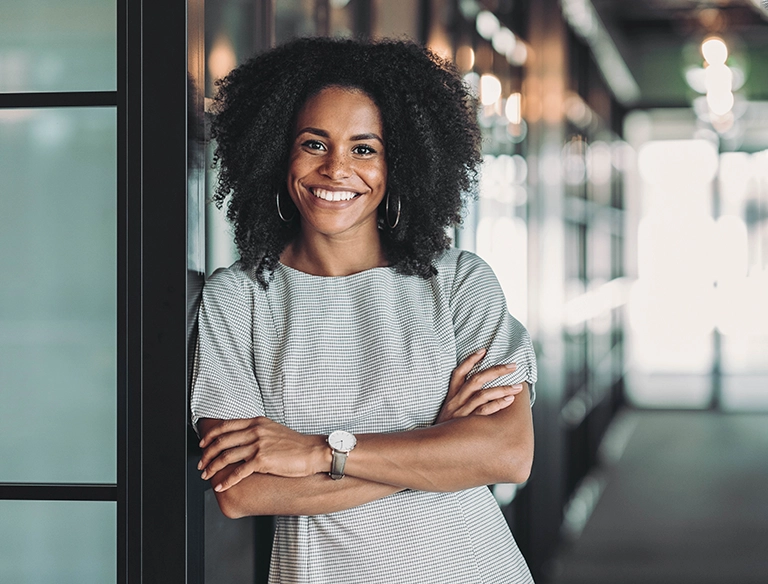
(341,443)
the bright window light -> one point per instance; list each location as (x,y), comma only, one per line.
(720,103)
(718,79)
(714,50)
(487,24)
(504,41)
(490,89)
(513,109)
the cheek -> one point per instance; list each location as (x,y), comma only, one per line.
(376,178)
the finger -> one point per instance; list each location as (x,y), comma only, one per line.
(459,375)
(491,374)
(222,443)
(231,478)
(227,457)
(484,396)
(494,406)
(223,428)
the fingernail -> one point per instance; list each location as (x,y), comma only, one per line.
(479,351)
(204,475)
(517,386)
(200,465)
(218,488)
(509,398)
(511,365)
(201,443)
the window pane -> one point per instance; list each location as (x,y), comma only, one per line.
(58,294)
(71,542)
(55,45)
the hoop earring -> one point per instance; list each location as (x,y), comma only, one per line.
(386,213)
(280,213)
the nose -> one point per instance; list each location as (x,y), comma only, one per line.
(336,165)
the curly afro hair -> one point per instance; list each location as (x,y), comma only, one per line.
(430,131)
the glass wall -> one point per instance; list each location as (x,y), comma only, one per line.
(67,542)
(47,45)
(58,293)
(58,310)
(698,312)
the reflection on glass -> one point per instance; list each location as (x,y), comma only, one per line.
(501,237)
(58,294)
(49,45)
(72,542)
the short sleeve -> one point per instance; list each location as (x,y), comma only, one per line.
(481,320)
(224,383)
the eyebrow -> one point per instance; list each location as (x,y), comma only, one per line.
(324,134)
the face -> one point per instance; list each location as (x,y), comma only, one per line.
(338,173)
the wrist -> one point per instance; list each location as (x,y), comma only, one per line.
(321,455)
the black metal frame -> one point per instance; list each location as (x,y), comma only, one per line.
(153,438)
(58,99)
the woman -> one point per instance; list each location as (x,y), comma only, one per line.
(326,388)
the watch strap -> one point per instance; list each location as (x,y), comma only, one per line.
(338,461)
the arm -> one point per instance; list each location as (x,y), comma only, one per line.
(267,494)
(460,453)
(457,454)
(444,457)
(473,450)
(261,494)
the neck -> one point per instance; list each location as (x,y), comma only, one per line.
(329,256)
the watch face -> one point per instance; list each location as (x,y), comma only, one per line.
(341,440)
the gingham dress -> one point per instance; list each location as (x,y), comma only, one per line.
(370,352)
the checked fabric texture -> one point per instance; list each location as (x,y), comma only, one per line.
(370,352)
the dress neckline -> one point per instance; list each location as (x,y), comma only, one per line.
(362,273)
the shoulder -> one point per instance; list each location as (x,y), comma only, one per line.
(459,269)
(232,283)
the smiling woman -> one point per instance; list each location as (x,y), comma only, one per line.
(337,179)
(353,375)
(427,121)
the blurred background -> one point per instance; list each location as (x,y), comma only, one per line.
(623,205)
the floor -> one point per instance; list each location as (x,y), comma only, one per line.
(685,502)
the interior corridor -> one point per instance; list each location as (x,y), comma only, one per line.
(686,502)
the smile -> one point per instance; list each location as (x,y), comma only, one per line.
(334,195)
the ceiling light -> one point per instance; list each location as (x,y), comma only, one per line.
(714,50)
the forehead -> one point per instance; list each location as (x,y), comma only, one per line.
(340,107)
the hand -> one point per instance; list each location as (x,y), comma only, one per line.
(465,394)
(258,445)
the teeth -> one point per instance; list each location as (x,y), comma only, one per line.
(334,195)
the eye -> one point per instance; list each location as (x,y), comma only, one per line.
(313,145)
(363,150)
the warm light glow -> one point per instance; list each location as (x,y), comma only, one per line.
(513,109)
(487,24)
(714,50)
(221,59)
(490,89)
(465,58)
